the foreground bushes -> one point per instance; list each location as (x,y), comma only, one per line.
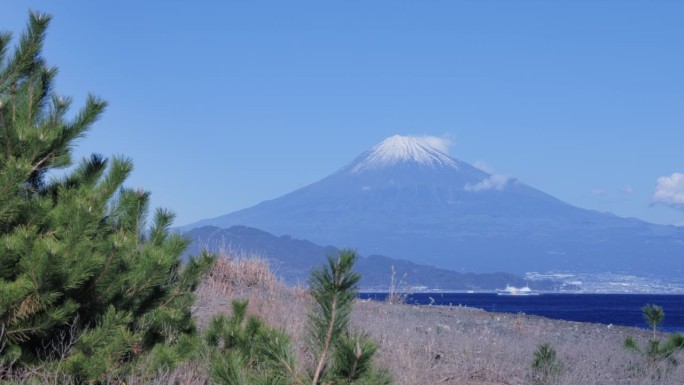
(87,289)
(658,357)
(85,286)
(246,351)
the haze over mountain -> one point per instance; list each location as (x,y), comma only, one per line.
(292,260)
(406,198)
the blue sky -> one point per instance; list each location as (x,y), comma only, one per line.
(223,104)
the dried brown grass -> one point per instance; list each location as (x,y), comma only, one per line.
(443,345)
(422,345)
(248,277)
(236,272)
(397,291)
(454,345)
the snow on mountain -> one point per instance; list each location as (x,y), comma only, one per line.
(406,198)
(402,149)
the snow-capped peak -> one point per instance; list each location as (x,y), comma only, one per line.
(405,149)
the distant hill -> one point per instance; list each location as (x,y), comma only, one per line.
(406,199)
(292,260)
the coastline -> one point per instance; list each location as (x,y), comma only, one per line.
(616,309)
(456,345)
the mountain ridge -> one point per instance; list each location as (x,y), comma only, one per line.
(454,219)
(292,260)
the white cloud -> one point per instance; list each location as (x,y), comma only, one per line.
(670,190)
(484,167)
(494,182)
(597,192)
(440,143)
(627,190)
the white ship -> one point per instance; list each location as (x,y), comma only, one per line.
(511,290)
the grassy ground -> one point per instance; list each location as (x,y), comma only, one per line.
(422,345)
(446,345)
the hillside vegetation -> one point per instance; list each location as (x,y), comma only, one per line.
(447,345)
(86,287)
(293,259)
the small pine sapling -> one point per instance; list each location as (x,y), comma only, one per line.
(341,356)
(246,351)
(654,316)
(659,357)
(545,365)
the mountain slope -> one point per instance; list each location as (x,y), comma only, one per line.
(407,199)
(292,259)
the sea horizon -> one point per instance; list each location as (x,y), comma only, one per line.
(609,309)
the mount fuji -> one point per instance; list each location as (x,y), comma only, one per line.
(406,198)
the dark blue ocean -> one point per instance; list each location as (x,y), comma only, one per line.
(616,309)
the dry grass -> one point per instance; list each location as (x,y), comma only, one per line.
(397,291)
(185,374)
(437,345)
(192,373)
(423,345)
(237,276)
(236,272)
(448,345)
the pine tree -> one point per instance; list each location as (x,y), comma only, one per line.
(545,366)
(654,315)
(659,357)
(341,356)
(79,268)
(246,351)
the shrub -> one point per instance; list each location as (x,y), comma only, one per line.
(654,315)
(246,351)
(397,292)
(545,365)
(234,272)
(77,262)
(659,358)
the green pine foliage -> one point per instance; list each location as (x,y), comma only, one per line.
(545,366)
(654,315)
(341,356)
(333,290)
(246,351)
(658,357)
(79,266)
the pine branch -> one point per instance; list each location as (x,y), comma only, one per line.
(5,132)
(189,278)
(5,38)
(38,165)
(28,50)
(327,343)
(73,244)
(277,349)
(334,290)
